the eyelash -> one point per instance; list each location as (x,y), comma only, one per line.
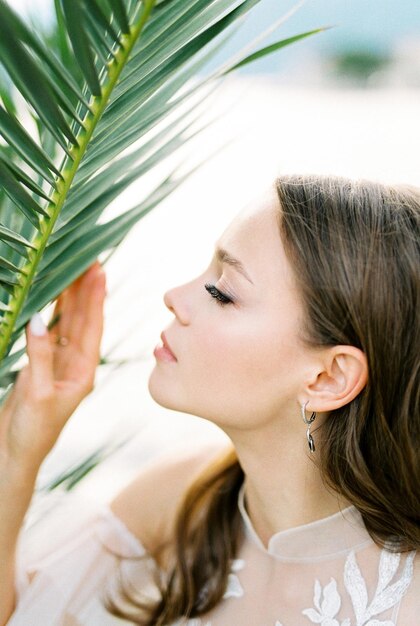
(220,297)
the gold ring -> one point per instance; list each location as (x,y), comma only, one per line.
(62,341)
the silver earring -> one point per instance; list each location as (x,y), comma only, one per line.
(308,422)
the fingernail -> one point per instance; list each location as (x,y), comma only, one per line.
(37,325)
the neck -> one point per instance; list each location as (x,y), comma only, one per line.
(283,486)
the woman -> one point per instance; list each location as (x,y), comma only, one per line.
(300,341)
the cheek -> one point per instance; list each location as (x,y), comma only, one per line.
(232,370)
(241,365)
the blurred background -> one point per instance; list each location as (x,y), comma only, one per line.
(345,101)
(372,44)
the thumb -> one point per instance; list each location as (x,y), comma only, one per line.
(40,354)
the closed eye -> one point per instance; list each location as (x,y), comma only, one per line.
(215,293)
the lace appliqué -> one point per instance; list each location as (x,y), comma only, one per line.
(328,607)
(234,588)
(386,595)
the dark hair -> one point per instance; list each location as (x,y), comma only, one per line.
(354,246)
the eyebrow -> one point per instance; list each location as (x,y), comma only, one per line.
(223,256)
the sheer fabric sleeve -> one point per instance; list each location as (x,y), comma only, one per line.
(66,562)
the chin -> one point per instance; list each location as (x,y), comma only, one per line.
(162,393)
(156,391)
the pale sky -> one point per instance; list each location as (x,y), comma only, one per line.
(377,25)
(379,22)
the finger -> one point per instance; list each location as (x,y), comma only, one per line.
(54,323)
(72,302)
(59,320)
(92,329)
(80,311)
(40,355)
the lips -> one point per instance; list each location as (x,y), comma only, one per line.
(166,345)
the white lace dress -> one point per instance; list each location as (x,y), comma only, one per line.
(328,572)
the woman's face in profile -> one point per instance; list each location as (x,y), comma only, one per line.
(239,363)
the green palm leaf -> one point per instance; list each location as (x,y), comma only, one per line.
(111,72)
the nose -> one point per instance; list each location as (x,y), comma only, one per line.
(176,303)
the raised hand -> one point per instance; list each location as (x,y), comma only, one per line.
(59,375)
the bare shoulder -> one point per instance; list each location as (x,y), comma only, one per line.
(147,505)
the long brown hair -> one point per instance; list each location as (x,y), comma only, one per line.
(355,250)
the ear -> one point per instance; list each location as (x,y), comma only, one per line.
(341,375)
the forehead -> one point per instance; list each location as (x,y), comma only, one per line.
(254,226)
(253,237)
